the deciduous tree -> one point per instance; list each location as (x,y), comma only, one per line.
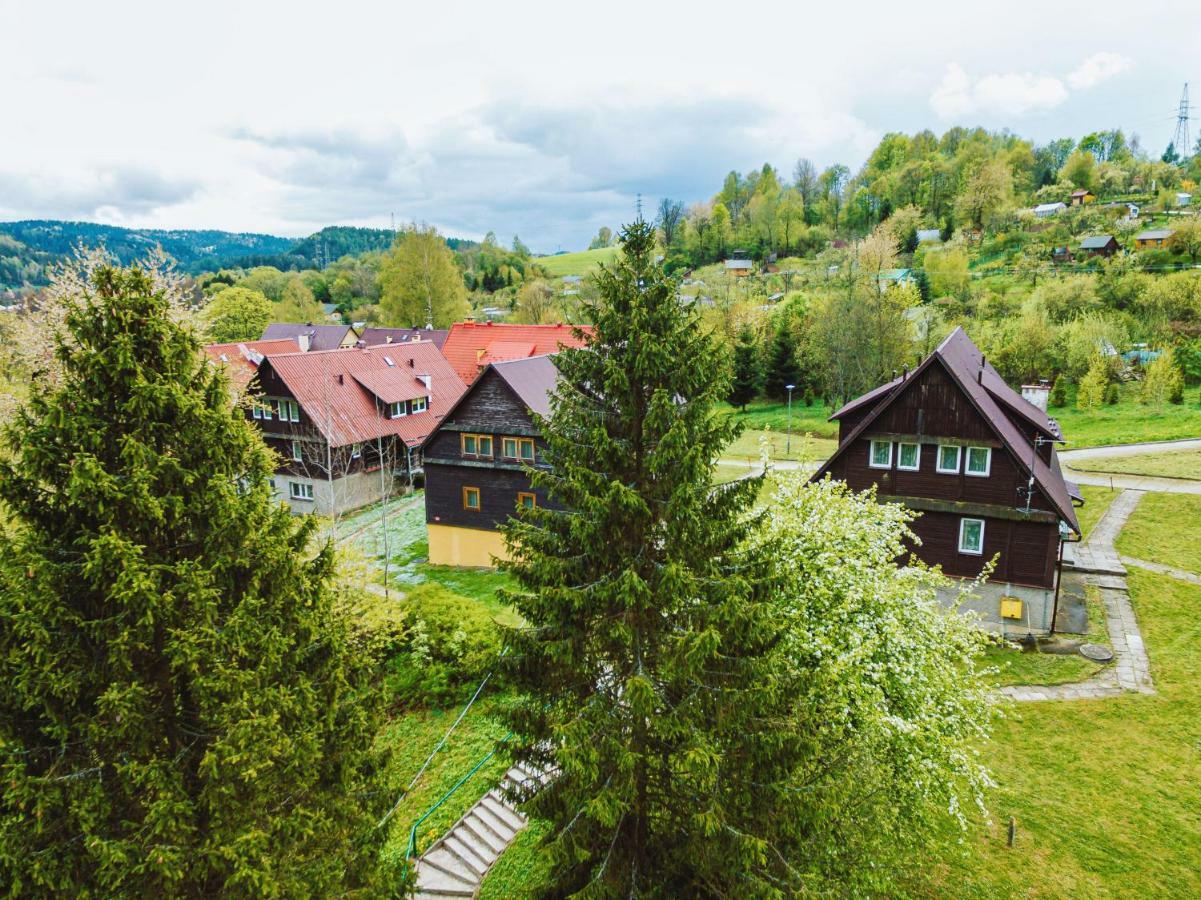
(236,314)
(419,281)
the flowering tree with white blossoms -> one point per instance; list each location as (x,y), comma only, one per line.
(887,685)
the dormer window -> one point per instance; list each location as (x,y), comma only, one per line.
(398,409)
(420,404)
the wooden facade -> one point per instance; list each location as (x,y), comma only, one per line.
(1009,487)
(478,463)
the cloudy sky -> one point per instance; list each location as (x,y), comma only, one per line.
(544,119)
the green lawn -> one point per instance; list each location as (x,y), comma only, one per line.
(801,446)
(1019,667)
(764,414)
(1104,792)
(580,263)
(1165,528)
(1096,501)
(1165,464)
(1129,422)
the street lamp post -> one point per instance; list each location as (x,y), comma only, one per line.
(788,440)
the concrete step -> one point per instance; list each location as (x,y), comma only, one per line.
(496,803)
(446,862)
(484,835)
(476,859)
(435,881)
(503,829)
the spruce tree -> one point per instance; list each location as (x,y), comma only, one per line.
(782,366)
(644,664)
(748,373)
(180,712)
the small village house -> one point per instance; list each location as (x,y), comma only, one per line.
(1082,197)
(241,360)
(348,424)
(1183,198)
(929,236)
(1152,238)
(312,337)
(1100,245)
(739,267)
(953,442)
(478,460)
(471,346)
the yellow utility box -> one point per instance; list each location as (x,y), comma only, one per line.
(1011,608)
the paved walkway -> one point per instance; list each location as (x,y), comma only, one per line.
(1102,567)
(1162,569)
(1130,482)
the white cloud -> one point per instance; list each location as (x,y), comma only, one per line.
(1011,93)
(1097,68)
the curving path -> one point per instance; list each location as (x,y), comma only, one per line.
(1130,482)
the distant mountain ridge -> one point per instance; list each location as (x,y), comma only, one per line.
(29,249)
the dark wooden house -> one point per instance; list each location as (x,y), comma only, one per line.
(347,425)
(952,441)
(478,461)
(1100,245)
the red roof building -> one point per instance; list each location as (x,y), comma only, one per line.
(241,360)
(472,346)
(346,423)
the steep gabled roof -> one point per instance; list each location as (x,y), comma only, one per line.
(337,389)
(472,345)
(321,337)
(532,380)
(987,392)
(373,336)
(1096,242)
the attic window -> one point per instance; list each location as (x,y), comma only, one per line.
(979,461)
(389,362)
(881,455)
(397,410)
(948,459)
(419,404)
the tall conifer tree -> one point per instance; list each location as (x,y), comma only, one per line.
(748,373)
(645,662)
(782,366)
(180,713)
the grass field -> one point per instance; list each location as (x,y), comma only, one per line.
(1096,501)
(1165,528)
(580,263)
(1167,464)
(1129,422)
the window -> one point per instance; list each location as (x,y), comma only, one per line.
(420,404)
(526,500)
(256,410)
(517,448)
(881,455)
(971,536)
(948,459)
(356,450)
(298,490)
(297,454)
(979,461)
(398,410)
(471,499)
(265,409)
(909,457)
(289,411)
(478,445)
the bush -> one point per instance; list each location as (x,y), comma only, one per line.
(1059,393)
(1111,395)
(449,645)
(808,398)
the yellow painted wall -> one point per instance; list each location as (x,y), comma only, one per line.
(451,546)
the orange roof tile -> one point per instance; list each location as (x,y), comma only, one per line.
(241,360)
(471,346)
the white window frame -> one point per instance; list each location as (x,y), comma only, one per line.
(256,410)
(871,455)
(967,462)
(299,490)
(425,404)
(293,411)
(398,410)
(958,459)
(267,416)
(917,462)
(962,527)
(297,452)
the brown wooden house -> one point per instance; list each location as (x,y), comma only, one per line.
(478,461)
(952,441)
(347,425)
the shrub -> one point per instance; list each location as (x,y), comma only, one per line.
(450,643)
(1059,393)
(1092,386)
(808,398)
(1111,395)
(1164,381)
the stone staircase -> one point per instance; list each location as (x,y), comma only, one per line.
(456,865)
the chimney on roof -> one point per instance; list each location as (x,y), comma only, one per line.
(470,320)
(341,378)
(428,381)
(304,341)
(1037,394)
(388,339)
(411,363)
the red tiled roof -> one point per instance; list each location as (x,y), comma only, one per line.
(472,345)
(987,391)
(337,389)
(241,360)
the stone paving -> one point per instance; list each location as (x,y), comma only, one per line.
(1103,569)
(1130,482)
(1179,574)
